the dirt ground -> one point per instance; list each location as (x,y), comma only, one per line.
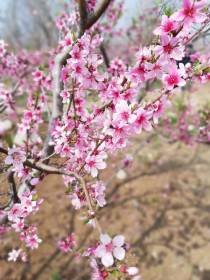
(161,204)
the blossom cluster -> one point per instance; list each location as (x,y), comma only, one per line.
(29,203)
(17,68)
(68,244)
(111,252)
(15,255)
(101,113)
(183,124)
(16,157)
(86,133)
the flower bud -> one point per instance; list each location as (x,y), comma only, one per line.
(132,270)
(104,273)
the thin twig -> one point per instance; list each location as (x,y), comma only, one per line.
(53,170)
(104,54)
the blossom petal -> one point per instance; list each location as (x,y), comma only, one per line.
(200,17)
(157,31)
(8,160)
(105,239)
(182,83)
(186,4)
(94,171)
(200,5)
(107,260)
(101,165)
(178,16)
(132,270)
(118,240)
(165,40)
(100,251)
(147,126)
(119,253)
(132,118)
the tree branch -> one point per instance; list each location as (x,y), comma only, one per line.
(50,170)
(83,15)
(198,31)
(104,54)
(11,181)
(97,13)
(57,107)
(60,60)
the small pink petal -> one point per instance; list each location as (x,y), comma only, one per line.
(118,240)
(100,251)
(107,260)
(105,239)
(119,253)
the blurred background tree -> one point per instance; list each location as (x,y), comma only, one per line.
(30,24)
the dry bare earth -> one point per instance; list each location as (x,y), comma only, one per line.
(162,207)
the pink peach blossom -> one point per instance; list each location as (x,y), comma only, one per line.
(109,248)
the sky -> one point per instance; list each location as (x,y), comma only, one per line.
(130,6)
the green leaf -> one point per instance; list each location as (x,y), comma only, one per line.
(86,221)
(69,189)
(35,197)
(115,273)
(55,276)
(41,67)
(193,131)
(9,139)
(74,35)
(173,119)
(168,11)
(36,94)
(207,70)
(154,200)
(198,68)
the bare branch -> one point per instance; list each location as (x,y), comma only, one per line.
(49,170)
(97,13)
(57,109)
(3,151)
(2,109)
(198,31)
(104,54)
(201,34)
(83,15)
(13,190)
(53,170)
